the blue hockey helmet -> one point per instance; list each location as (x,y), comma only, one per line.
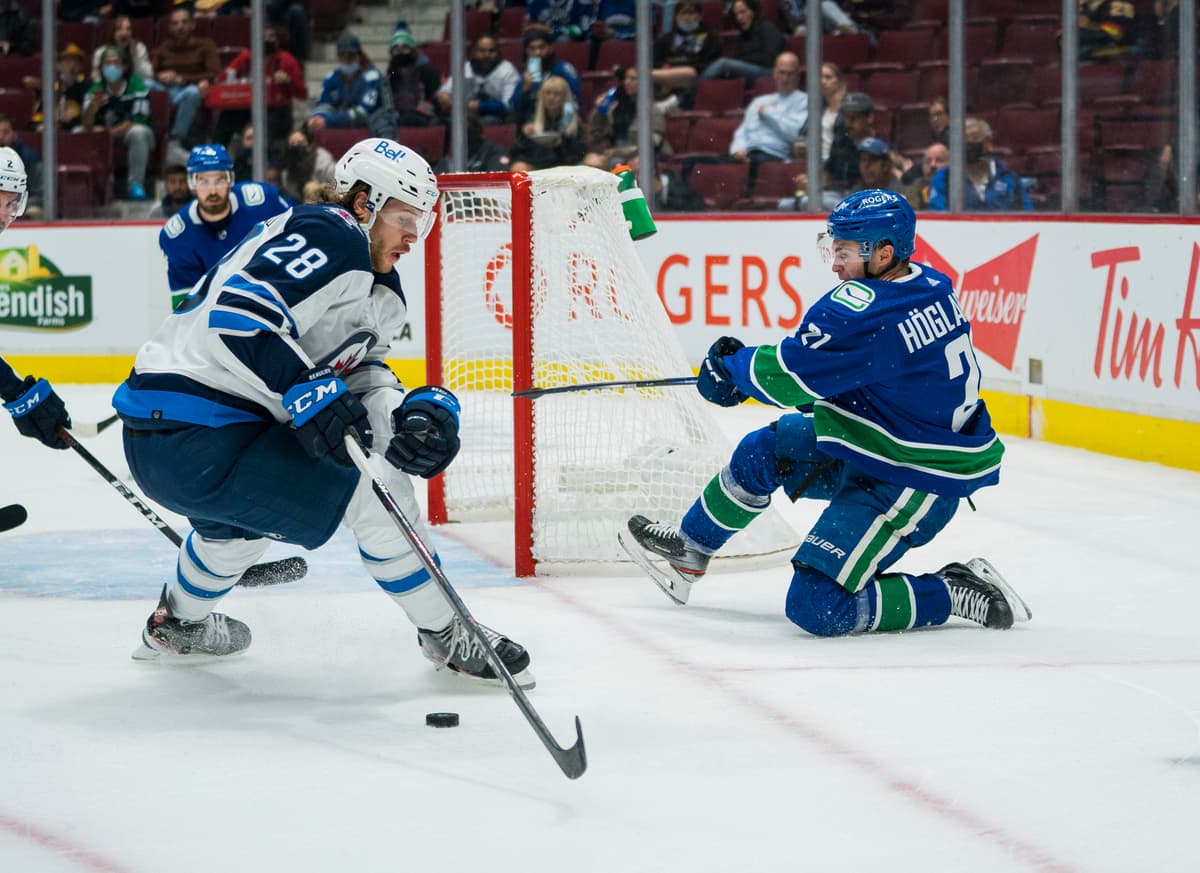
(873,217)
(209,158)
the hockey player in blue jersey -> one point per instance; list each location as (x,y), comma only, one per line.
(37,411)
(236,411)
(216,220)
(892,434)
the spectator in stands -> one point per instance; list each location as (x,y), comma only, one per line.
(121,105)
(1162,182)
(552,138)
(33,160)
(613,127)
(939,120)
(773,122)
(350,94)
(614,19)
(177,194)
(70,87)
(483,155)
(303,162)
(991,185)
(916,182)
(681,54)
(185,65)
(83,10)
(540,64)
(291,17)
(759,43)
(285,83)
(1106,29)
(876,168)
(489,80)
(139,55)
(1163,41)
(833,90)
(410,84)
(855,122)
(567,20)
(17,36)
(834,19)
(242,152)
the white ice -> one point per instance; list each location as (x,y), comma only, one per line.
(720,737)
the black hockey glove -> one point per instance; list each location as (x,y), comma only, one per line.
(714,383)
(323,411)
(426,427)
(38,412)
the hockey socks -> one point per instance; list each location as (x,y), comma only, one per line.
(899,601)
(723,509)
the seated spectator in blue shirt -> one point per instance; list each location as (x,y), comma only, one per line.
(540,64)
(566,20)
(991,185)
(773,122)
(349,94)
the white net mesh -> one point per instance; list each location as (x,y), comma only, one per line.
(599,456)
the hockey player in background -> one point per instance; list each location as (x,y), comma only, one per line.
(236,409)
(36,409)
(215,221)
(892,434)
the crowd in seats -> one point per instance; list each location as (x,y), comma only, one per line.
(713,60)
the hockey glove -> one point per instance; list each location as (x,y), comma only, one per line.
(39,413)
(714,383)
(323,411)
(426,428)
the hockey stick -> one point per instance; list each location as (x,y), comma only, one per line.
(91,429)
(572,761)
(535,393)
(271,573)
(11,516)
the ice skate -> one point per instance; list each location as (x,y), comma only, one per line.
(979,593)
(684,564)
(169,638)
(455,648)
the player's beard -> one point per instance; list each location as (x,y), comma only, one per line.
(214,206)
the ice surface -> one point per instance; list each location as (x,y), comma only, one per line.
(720,737)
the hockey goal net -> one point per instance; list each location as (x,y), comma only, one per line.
(532,281)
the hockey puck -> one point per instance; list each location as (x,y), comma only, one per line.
(442,719)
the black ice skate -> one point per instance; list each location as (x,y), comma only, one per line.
(166,636)
(979,593)
(684,564)
(455,648)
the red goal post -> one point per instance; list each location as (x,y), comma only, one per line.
(532,281)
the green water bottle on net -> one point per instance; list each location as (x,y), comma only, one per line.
(637,213)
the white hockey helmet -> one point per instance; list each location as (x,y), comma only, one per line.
(392,171)
(12,177)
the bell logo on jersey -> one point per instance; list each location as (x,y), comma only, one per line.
(381,148)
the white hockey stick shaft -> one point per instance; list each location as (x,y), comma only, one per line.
(572,761)
(535,393)
(91,429)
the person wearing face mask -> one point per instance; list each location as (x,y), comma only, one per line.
(410,85)
(304,162)
(349,94)
(121,105)
(681,54)
(285,83)
(991,185)
(490,82)
(139,55)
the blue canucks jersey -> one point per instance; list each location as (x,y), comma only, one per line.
(192,247)
(297,293)
(891,375)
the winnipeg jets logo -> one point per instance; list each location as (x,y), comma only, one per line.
(350,353)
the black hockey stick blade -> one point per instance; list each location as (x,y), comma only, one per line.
(91,429)
(535,393)
(572,761)
(11,516)
(272,573)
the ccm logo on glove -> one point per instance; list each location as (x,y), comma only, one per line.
(323,411)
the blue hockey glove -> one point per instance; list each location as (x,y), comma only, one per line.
(323,411)
(714,383)
(426,427)
(39,412)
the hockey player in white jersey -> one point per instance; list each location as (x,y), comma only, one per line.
(237,407)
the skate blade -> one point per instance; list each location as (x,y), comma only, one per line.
(148,654)
(984,570)
(672,583)
(525,679)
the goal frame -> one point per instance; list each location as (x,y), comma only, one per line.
(520,187)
